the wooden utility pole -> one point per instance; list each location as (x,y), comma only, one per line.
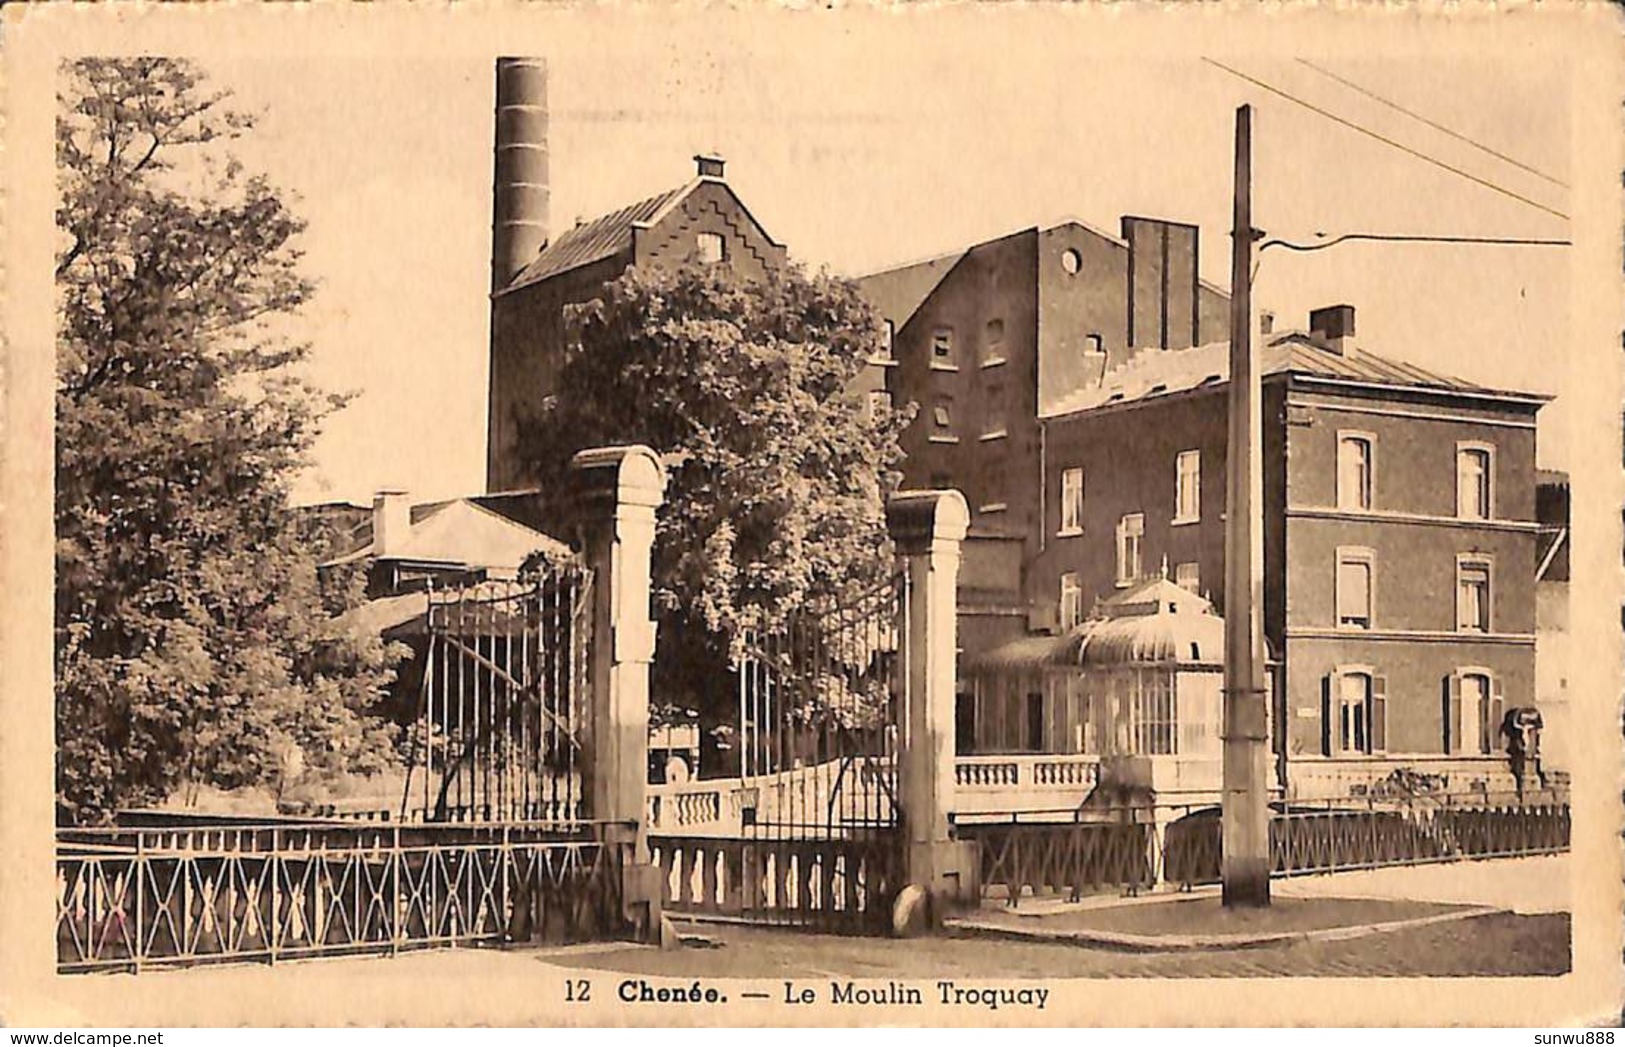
(1245,811)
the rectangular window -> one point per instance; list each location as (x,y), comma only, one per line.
(879,404)
(1130,536)
(992,493)
(1071,501)
(1071,600)
(1188,576)
(1092,345)
(1152,724)
(1474,463)
(710,248)
(1354,588)
(993,418)
(942,347)
(1035,721)
(993,343)
(1473,710)
(1188,487)
(888,333)
(1354,470)
(942,416)
(1473,596)
(1356,712)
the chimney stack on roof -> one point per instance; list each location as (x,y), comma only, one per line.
(1164,309)
(1333,327)
(391,522)
(709,165)
(519,192)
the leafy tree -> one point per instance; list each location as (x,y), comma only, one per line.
(777,469)
(195,642)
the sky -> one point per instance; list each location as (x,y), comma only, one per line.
(860,151)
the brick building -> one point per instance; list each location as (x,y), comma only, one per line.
(699,221)
(1400,539)
(990,339)
(1072,384)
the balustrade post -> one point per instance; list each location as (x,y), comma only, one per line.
(619,489)
(927,528)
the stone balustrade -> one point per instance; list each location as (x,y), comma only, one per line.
(1023,782)
(983,784)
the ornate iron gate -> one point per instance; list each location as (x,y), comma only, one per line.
(809,833)
(498,735)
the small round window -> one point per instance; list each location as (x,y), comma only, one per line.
(1071,260)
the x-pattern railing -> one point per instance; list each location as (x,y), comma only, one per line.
(124,906)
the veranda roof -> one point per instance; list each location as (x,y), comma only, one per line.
(1153,623)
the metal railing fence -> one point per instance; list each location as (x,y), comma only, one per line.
(132,898)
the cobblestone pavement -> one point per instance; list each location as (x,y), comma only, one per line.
(1495,945)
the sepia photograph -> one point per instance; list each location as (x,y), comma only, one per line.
(941,516)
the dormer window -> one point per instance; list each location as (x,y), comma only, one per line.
(710,247)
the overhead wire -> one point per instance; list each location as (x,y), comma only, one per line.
(1407,238)
(1457,135)
(1385,140)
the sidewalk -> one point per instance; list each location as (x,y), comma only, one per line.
(1526,886)
(1328,907)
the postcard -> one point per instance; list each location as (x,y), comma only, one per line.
(640,515)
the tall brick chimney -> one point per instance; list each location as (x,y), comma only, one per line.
(519,190)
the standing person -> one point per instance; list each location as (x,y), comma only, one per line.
(1521,726)
(1515,750)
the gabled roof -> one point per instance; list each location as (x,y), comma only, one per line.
(899,291)
(1162,372)
(463,533)
(602,237)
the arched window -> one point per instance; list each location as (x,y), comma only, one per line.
(1472,713)
(1355,712)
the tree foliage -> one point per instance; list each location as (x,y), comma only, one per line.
(195,642)
(777,468)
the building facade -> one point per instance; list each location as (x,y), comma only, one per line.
(1400,540)
(702,221)
(988,340)
(1073,386)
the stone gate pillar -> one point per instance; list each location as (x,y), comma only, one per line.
(927,528)
(619,489)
